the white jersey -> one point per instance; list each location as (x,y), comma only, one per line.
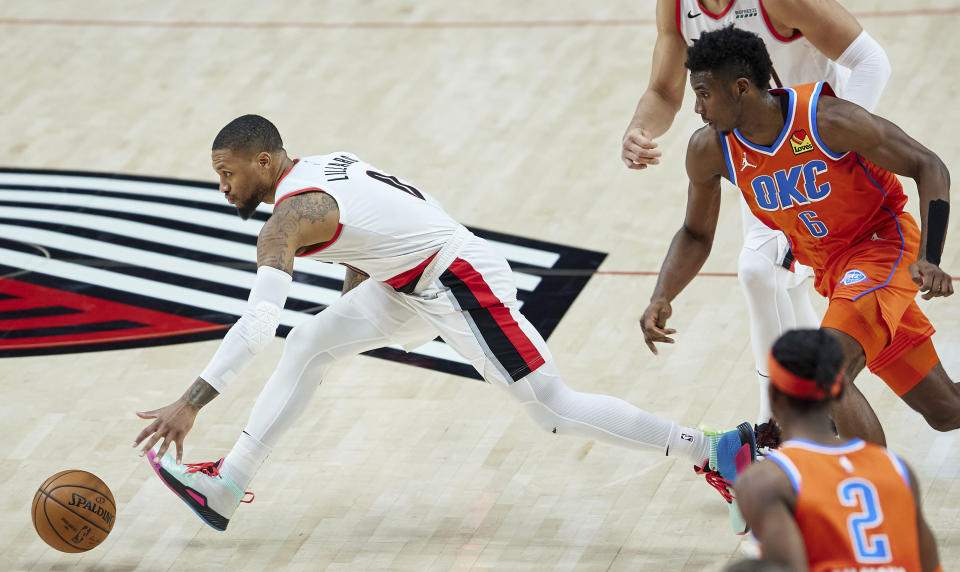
(388,229)
(795,60)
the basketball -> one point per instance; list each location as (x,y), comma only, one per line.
(73,511)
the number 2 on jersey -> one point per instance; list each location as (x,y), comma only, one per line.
(396,183)
(868,548)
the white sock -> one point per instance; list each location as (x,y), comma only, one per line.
(765,413)
(243,461)
(690,442)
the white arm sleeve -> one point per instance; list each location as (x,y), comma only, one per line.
(253,330)
(869,71)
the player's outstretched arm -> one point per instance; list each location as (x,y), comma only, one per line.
(692,243)
(661,101)
(844,126)
(298,223)
(929,557)
(838,35)
(767,501)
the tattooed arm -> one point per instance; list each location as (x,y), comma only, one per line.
(352,280)
(299,223)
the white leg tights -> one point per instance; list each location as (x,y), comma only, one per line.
(309,351)
(559,409)
(776,303)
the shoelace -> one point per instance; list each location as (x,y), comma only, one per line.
(209,468)
(716,481)
(213,469)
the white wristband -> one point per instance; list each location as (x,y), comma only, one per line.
(255,328)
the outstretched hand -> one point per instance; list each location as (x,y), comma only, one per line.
(171,423)
(933,281)
(639,151)
(654,324)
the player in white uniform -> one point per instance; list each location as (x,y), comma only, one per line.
(428,275)
(808,41)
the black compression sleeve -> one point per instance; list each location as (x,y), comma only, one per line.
(937,217)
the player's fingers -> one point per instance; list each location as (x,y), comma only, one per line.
(662,315)
(940,285)
(661,335)
(147,414)
(631,149)
(149,444)
(652,347)
(163,448)
(143,434)
(949,286)
(915,275)
(931,286)
(640,141)
(636,166)
(179,444)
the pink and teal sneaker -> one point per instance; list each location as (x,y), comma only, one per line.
(211,495)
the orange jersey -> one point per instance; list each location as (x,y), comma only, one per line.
(855,507)
(823,201)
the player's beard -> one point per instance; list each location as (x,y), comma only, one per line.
(246,208)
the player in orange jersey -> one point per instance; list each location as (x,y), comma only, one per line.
(821,169)
(819,502)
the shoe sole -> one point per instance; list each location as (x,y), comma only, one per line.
(206,514)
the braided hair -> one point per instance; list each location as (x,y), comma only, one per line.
(812,354)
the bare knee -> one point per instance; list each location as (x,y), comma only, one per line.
(945,416)
(937,398)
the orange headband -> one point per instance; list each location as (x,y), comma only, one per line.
(799,387)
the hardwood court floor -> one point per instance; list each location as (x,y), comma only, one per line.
(511,114)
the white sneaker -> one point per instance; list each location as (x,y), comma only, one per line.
(211,495)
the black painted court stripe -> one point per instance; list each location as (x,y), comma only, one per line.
(212,231)
(133,196)
(44,312)
(88,328)
(160,276)
(164,248)
(217,232)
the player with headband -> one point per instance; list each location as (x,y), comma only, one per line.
(818,502)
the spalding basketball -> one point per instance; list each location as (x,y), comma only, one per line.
(73,511)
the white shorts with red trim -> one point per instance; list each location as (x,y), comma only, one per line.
(472,306)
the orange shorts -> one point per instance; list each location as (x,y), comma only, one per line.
(872,300)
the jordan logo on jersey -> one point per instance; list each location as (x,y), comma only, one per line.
(800,142)
(745,163)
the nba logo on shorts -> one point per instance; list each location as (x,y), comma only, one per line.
(853,277)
